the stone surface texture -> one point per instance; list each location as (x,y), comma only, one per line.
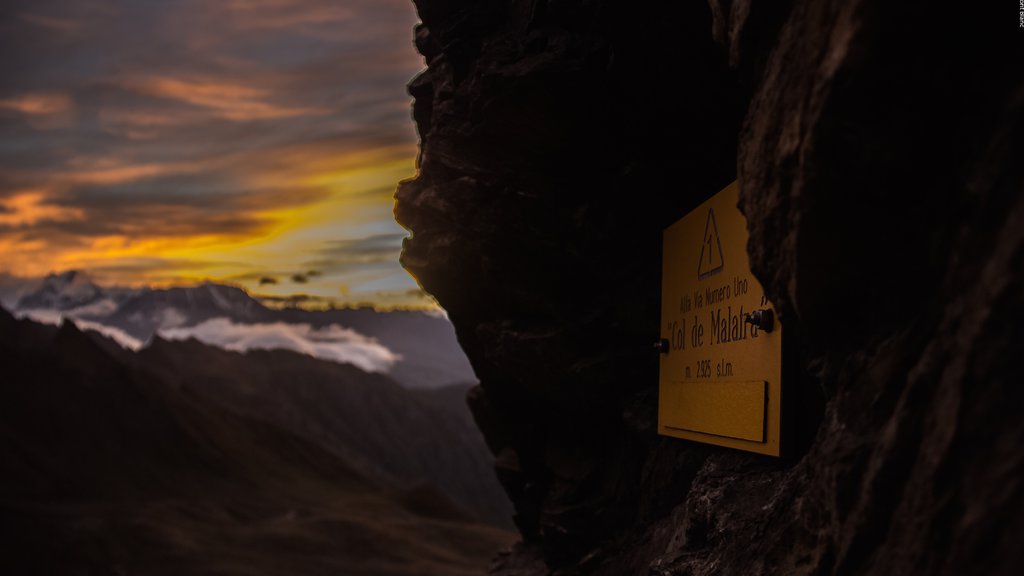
(879,162)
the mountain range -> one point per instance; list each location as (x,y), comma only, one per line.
(183,458)
(417,348)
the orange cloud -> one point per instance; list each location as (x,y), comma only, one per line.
(29,207)
(231,101)
(44,110)
(145,125)
(127,173)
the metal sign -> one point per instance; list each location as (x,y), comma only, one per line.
(721,363)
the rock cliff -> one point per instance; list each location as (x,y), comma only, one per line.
(879,171)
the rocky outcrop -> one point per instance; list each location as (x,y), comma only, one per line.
(877,172)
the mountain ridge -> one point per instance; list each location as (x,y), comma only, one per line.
(110,465)
(427,352)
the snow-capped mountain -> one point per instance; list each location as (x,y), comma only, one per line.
(150,310)
(64,291)
(416,348)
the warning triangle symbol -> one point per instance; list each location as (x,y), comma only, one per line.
(710,250)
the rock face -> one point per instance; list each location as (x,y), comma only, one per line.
(880,175)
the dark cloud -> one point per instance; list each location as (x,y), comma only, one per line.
(162,207)
(372,252)
(294,300)
(265,280)
(375,245)
(305,277)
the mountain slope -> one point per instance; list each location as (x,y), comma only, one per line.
(376,425)
(109,468)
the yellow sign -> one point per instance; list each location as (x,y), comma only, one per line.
(721,363)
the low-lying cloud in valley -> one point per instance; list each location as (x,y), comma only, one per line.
(332,343)
(55,317)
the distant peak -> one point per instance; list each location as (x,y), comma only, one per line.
(67,277)
(62,291)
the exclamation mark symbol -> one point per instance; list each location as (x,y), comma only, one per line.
(711,260)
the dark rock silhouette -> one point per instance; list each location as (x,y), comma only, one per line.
(879,171)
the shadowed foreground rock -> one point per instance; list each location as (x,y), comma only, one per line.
(880,173)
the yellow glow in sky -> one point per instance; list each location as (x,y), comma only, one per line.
(212,143)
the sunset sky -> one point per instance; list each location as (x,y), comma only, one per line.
(255,142)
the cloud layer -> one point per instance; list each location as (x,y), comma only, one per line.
(186,139)
(332,343)
(55,318)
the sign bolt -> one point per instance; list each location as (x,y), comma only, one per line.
(662,346)
(763,319)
